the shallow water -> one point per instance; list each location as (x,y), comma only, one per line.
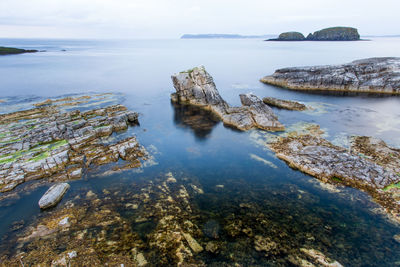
(191,144)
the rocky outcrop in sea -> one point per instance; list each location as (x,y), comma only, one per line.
(328,34)
(371,75)
(46,142)
(368,165)
(335,34)
(196,87)
(284,104)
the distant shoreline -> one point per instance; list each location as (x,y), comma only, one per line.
(14,51)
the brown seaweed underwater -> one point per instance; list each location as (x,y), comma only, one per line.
(218,199)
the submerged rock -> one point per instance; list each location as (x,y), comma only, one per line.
(53,195)
(196,87)
(335,34)
(319,258)
(371,75)
(284,104)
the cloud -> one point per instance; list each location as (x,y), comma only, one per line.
(160,18)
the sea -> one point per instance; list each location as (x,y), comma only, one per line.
(234,169)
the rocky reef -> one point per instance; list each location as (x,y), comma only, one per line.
(46,142)
(196,87)
(365,166)
(371,75)
(12,51)
(289,36)
(335,34)
(284,104)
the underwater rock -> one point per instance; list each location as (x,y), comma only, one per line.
(47,142)
(371,75)
(284,104)
(320,258)
(53,195)
(196,87)
(212,247)
(211,229)
(194,245)
(265,244)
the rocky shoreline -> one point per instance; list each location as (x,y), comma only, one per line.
(369,164)
(45,142)
(371,75)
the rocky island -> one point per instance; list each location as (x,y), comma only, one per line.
(371,75)
(328,34)
(196,87)
(12,51)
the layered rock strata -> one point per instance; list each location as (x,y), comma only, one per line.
(318,157)
(44,142)
(284,104)
(371,75)
(196,87)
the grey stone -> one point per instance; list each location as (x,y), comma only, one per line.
(53,195)
(371,75)
(196,87)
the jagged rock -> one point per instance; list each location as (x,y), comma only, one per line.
(335,34)
(289,36)
(371,75)
(53,195)
(284,104)
(196,87)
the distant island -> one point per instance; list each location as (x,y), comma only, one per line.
(223,36)
(328,34)
(12,51)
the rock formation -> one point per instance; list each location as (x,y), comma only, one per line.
(12,51)
(53,195)
(284,104)
(45,142)
(289,36)
(372,75)
(335,34)
(312,154)
(196,87)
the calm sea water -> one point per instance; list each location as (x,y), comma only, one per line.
(140,70)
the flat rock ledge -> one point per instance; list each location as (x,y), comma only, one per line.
(284,104)
(318,157)
(371,75)
(196,87)
(53,195)
(47,143)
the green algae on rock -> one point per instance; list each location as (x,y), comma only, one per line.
(46,141)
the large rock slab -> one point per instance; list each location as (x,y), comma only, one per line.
(371,75)
(53,195)
(197,87)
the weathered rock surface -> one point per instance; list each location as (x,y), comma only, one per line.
(371,75)
(196,87)
(289,36)
(284,104)
(335,34)
(53,195)
(45,142)
(316,156)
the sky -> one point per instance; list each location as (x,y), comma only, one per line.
(131,19)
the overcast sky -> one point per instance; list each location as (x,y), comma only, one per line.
(172,18)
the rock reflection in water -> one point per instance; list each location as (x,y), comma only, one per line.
(199,120)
